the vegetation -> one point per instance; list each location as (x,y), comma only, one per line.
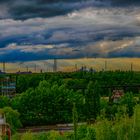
(4,101)
(75,120)
(47,104)
(45,99)
(12,118)
(80,80)
(92,99)
(124,129)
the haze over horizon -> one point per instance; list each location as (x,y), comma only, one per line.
(45,29)
(69,65)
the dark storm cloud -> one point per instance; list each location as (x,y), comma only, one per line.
(125,2)
(120,2)
(24,9)
(92,32)
(74,29)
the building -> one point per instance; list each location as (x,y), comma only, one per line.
(85,69)
(117,94)
(8,86)
(4,127)
(24,72)
(2,72)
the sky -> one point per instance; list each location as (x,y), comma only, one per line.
(69,65)
(32,30)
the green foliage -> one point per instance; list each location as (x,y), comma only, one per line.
(126,106)
(136,123)
(52,135)
(124,129)
(12,118)
(16,136)
(75,120)
(86,132)
(92,97)
(103,103)
(110,111)
(78,80)
(51,101)
(104,130)
(4,101)
(47,104)
(91,134)
(28,136)
(82,132)
(75,83)
(97,91)
(129,101)
(25,82)
(42,136)
(15,101)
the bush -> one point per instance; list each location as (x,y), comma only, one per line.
(28,136)
(86,132)
(91,134)
(16,137)
(82,131)
(129,102)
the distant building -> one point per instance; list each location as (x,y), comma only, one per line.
(4,127)
(117,94)
(24,72)
(2,72)
(8,86)
(85,69)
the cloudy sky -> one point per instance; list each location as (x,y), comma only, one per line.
(45,29)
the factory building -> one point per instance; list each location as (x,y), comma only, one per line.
(8,86)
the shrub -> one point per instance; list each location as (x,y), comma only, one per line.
(129,102)
(28,136)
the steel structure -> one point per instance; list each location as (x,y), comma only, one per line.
(8,86)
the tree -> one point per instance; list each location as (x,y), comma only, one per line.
(47,104)
(96,95)
(12,117)
(92,100)
(75,120)
(4,101)
(128,100)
